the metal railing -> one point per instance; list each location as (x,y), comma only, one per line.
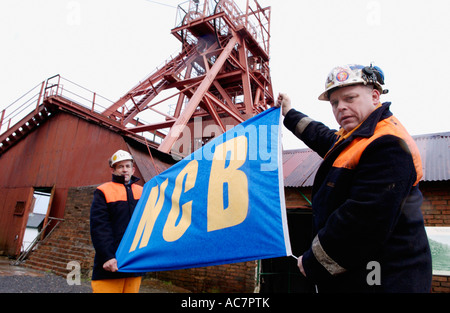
(53,86)
(256,20)
(24,254)
(17,110)
(67,89)
(63,87)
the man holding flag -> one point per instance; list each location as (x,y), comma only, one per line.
(369,231)
(111,211)
(222,204)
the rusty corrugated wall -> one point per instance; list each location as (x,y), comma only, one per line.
(67,150)
(435,153)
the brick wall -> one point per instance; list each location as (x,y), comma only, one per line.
(71,240)
(436,204)
(436,212)
(237,277)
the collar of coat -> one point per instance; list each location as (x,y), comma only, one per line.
(121,180)
(367,128)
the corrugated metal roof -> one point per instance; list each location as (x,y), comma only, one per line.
(435,154)
(300,166)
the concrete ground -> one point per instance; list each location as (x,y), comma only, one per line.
(20,279)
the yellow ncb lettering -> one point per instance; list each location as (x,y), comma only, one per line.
(171,231)
(149,216)
(223,171)
(220,217)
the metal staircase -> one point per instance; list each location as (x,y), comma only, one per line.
(23,122)
(222,74)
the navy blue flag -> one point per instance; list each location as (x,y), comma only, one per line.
(222,204)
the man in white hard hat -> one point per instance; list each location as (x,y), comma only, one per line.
(111,211)
(368,228)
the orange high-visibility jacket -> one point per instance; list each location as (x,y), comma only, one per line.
(366,207)
(111,211)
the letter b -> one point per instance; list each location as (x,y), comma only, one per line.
(228,186)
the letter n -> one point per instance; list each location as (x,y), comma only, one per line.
(151,211)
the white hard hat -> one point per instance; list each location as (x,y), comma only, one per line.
(120,155)
(352,74)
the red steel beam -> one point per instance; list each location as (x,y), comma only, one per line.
(192,105)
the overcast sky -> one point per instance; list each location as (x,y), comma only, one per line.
(108,46)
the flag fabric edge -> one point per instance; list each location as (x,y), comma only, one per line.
(287,240)
(282,215)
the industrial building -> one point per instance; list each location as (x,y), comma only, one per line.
(57,139)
